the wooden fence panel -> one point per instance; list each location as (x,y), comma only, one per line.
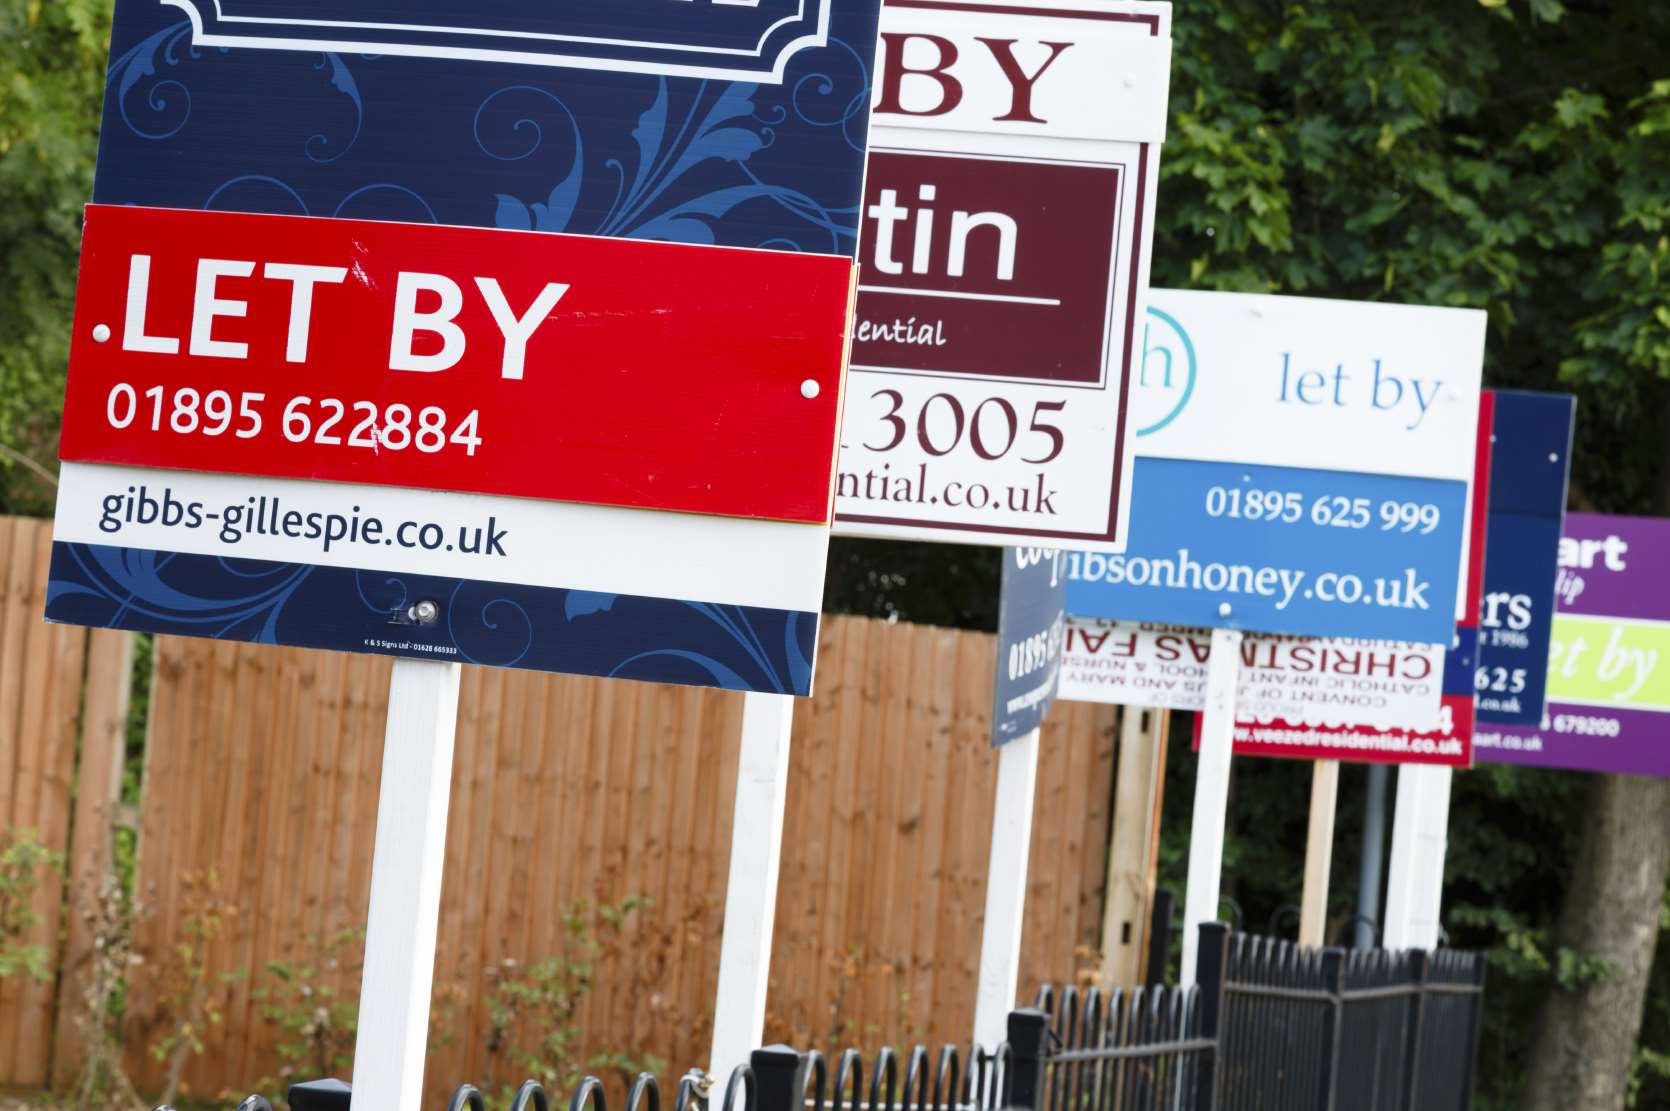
(41,672)
(92,846)
(262,765)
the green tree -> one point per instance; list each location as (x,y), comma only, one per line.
(51,90)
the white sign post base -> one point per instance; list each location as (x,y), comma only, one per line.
(1206,836)
(762,781)
(1000,939)
(406,886)
(1420,836)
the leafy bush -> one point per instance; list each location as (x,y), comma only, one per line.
(24,862)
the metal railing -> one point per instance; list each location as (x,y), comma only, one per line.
(950,1080)
(1150,1049)
(1342,1030)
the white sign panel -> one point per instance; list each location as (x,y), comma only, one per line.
(1312,681)
(1362,386)
(1004,249)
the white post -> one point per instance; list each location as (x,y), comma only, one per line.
(405,886)
(1420,836)
(1206,835)
(762,780)
(1000,939)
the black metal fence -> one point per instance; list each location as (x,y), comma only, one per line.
(1342,1030)
(1150,1049)
(950,1080)
(1270,1026)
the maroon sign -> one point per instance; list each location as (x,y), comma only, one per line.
(981,266)
(1003,252)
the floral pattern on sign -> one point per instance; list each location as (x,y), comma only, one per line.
(496,624)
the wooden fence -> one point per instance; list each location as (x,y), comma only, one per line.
(45,729)
(258,805)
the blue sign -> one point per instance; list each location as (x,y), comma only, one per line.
(1282,550)
(494,624)
(1031,628)
(705,122)
(456,136)
(1529,469)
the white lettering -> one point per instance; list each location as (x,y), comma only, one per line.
(302,279)
(408,321)
(206,306)
(133,329)
(518,330)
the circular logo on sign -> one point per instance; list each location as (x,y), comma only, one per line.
(1165,374)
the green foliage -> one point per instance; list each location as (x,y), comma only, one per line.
(1506,156)
(51,90)
(1647,1064)
(24,863)
(532,1031)
(184,982)
(316,1020)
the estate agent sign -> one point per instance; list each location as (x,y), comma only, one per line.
(1530,468)
(1304,467)
(1031,625)
(1609,659)
(429,331)
(1007,223)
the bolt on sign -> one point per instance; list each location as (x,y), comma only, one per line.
(1007,222)
(1608,666)
(430,333)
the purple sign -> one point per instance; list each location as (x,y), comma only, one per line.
(1609,659)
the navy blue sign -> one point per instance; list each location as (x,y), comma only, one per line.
(690,121)
(1281,550)
(1031,628)
(1529,469)
(639,152)
(495,624)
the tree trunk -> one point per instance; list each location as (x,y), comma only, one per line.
(1586,1037)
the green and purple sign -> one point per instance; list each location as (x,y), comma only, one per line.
(1609,657)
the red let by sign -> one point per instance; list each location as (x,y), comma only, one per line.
(560,367)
